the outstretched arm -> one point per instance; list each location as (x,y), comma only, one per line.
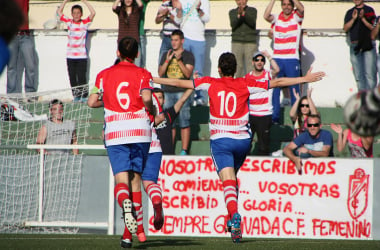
(285,81)
(187,84)
(90,8)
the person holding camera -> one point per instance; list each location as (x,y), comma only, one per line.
(178,63)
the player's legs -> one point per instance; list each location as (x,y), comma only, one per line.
(153,190)
(14,69)
(227,161)
(369,61)
(276,94)
(127,162)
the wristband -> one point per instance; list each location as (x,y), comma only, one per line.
(166,61)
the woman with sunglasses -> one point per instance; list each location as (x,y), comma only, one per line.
(301,109)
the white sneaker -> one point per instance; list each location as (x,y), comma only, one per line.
(129,219)
(277,153)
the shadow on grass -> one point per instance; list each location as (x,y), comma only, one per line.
(157,243)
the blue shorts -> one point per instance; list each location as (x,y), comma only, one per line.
(152,167)
(184,114)
(128,157)
(227,152)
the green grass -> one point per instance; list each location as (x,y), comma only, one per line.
(90,241)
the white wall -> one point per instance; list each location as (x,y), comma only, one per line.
(326,50)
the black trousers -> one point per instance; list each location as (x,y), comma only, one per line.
(77,69)
(261,126)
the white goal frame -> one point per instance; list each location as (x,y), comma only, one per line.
(109,225)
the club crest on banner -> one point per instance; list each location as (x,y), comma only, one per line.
(357,200)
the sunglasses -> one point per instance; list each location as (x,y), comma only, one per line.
(259,60)
(304,105)
(313,125)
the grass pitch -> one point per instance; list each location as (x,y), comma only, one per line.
(94,242)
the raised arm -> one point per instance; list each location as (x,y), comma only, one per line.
(274,66)
(61,7)
(178,105)
(268,12)
(116,4)
(293,109)
(342,136)
(313,108)
(299,7)
(90,8)
(187,84)
(285,81)
(139,3)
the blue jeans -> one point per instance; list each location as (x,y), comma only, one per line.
(142,51)
(184,115)
(166,44)
(288,68)
(364,67)
(23,56)
(198,49)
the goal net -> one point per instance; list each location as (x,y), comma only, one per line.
(22,195)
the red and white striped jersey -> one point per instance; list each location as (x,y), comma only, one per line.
(229,105)
(286,35)
(260,103)
(126,120)
(77,33)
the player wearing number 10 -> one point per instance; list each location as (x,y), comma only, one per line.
(229,129)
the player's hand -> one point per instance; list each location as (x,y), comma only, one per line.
(195,75)
(314,77)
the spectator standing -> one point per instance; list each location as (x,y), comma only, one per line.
(125,91)
(129,12)
(76,48)
(286,42)
(23,57)
(301,109)
(260,103)
(243,45)
(315,142)
(142,34)
(170,15)
(10,13)
(358,23)
(375,33)
(178,63)
(56,130)
(359,146)
(196,13)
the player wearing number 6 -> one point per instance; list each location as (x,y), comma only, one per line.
(229,130)
(125,90)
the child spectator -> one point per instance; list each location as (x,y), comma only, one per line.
(359,146)
(76,48)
